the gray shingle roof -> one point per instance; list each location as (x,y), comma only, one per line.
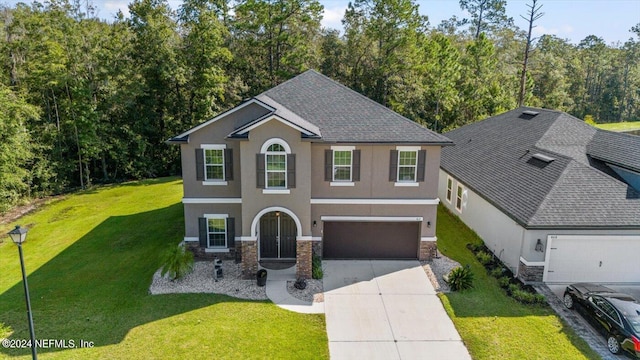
(616,148)
(343,115)
(493,158)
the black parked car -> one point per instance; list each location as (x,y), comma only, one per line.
(614,314)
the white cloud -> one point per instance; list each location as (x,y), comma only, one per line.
(332,17)
(563,31)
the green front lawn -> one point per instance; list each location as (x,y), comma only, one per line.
(620,126)
(90,259)
(491,324)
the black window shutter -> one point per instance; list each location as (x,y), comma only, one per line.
(231,232)
(199,164)
(228,164)
(202,232)
(328,165)
(260,171)
(291,171)
(356,165)
(422,158)
(393,165)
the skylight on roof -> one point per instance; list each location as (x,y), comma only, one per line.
(542,157)
(530,112)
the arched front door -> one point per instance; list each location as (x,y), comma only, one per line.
(277,236)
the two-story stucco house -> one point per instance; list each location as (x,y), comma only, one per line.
(310,165)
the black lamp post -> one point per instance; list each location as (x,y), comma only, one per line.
(19,235)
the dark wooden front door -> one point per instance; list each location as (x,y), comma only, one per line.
(277,236)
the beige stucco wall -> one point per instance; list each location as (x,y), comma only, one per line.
(216,133)
(374,175)
(253,199)
(194,211)
(427,212)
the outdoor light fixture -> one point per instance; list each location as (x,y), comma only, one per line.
(315,223)
(18,236)
(428,224)
(539,246)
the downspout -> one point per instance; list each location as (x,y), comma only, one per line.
(517,272)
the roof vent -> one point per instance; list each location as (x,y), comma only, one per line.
(542,157)
(530,112)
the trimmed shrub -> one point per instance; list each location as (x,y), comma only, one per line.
(460,278)
(497,272)
(513,288)
(316,267)
(484,258)
(177,261)
(504,282)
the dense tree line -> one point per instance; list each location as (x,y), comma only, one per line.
(84,100)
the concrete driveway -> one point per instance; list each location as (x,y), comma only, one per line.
(378,309)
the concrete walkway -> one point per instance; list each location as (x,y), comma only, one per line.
(386,310)
(277,292)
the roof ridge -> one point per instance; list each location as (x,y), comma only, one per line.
(339,84)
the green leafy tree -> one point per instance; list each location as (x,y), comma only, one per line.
(486,15)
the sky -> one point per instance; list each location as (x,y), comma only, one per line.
(568,19)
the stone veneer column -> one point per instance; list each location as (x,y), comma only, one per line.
(304,250)
(427,248)
(249,259)
(530,273)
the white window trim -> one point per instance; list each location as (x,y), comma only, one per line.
(407,184)
(459,186)
(276,191)
(415,167)
(333,165)
(448,195)
(218,182)
(342,183)
(287,150)
(226,241)
(272,141)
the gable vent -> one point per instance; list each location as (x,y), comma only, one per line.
(542,157)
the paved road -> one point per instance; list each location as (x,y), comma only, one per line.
(386,310)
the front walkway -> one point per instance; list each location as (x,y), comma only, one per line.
(386,310)
(277,292)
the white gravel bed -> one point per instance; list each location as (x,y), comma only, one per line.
(436,269)
(312,293)
(202,280)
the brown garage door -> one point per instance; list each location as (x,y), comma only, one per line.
(370,240)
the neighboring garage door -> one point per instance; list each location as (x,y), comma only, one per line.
(605,259)
(370,240)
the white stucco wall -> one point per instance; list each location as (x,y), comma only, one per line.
(500,233)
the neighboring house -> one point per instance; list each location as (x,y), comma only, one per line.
(310,165)
(554,198)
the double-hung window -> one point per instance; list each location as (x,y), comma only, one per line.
(460,197)
(217,232)
(276,167)
(214,164)
(342,165)
(407,166)
(449,188)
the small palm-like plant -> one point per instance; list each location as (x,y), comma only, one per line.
(460,278)
(178,262)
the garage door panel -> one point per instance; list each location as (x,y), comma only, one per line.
(607,259)
(370,240)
